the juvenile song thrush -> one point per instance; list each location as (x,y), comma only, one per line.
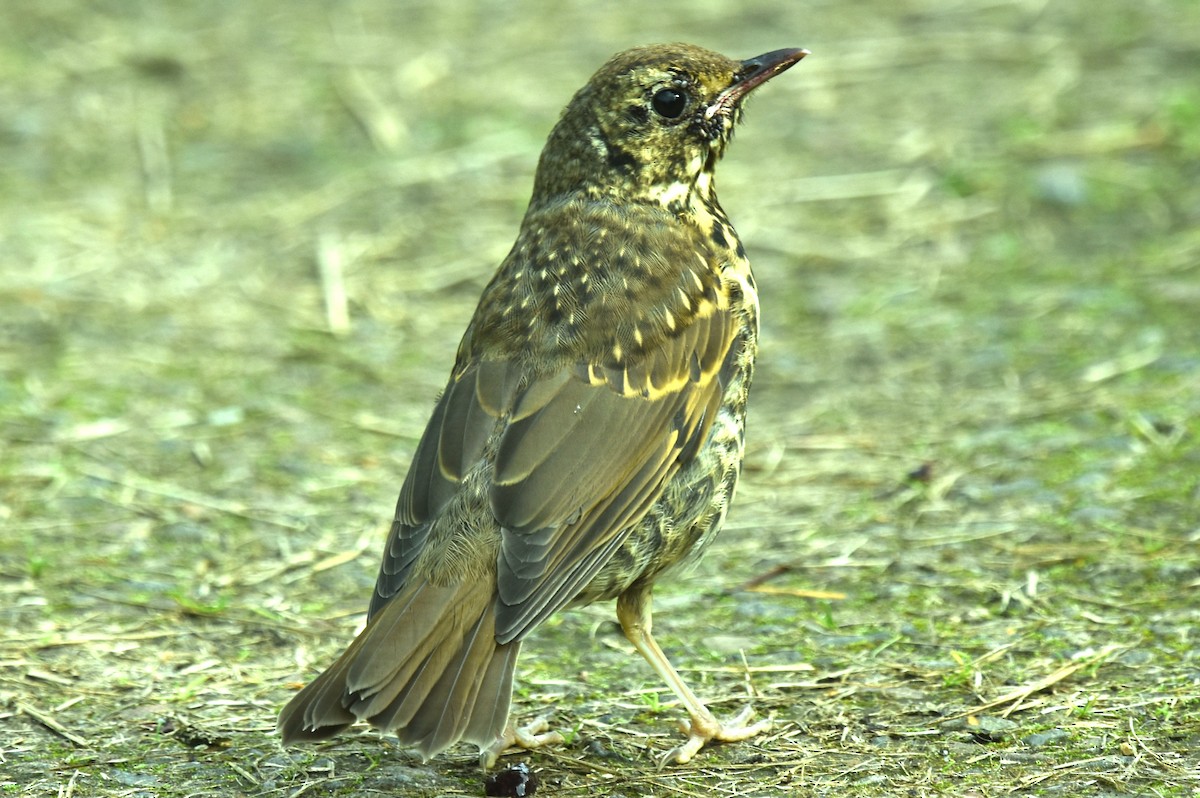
(591,434)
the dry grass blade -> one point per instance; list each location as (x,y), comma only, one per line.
(53,725)
(1015,697)
(377,117)
(333,283)
(180,493)
(826,595)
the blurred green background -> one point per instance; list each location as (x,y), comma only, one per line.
(976,229)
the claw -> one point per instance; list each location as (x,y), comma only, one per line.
(703,730)
(528,737)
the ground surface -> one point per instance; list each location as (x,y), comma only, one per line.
(965,558)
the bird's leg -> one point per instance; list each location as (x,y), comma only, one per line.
(633,612)
(530,736)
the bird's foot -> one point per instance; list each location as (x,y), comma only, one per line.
(706,728)
(530,736)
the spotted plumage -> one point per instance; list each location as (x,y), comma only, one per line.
(591,433)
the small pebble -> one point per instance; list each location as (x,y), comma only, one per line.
(1049,737)
(1062,183)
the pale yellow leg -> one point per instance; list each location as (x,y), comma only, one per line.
(633,612)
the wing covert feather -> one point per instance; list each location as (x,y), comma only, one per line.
(454,440)
(582,454)
(587,457)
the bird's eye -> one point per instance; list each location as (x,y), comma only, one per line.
(669,103)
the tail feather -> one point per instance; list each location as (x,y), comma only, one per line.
(452,700)
(405,704)
(494,696)
(427,667)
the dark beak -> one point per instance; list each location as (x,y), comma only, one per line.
(755,72)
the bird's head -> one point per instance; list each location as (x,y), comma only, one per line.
(652,123)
